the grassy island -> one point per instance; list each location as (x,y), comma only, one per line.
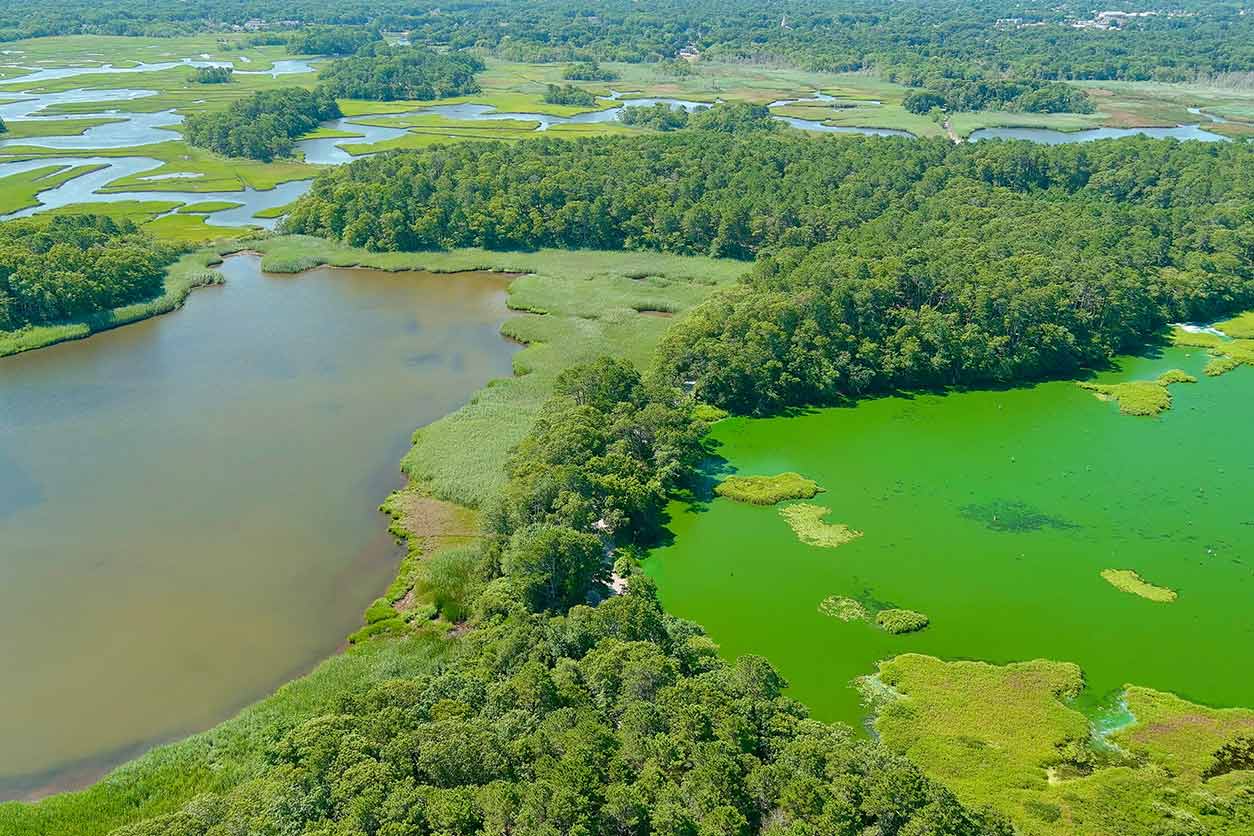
(767,490)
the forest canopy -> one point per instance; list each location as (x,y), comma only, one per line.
(386,73)
(884,263)
(557,715)
(263,126)
(73,266)
(907,40)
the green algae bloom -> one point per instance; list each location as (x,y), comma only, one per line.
(767,490)
(1126,580)
(900,621)
(846,609)
(807,523)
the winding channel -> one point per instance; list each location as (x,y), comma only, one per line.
(133,130)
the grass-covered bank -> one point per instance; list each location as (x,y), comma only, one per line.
(223,757)
(573,306)
(1009,736)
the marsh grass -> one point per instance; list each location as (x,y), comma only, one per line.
(573,306)
(1239,327)
(806,521)
(1137,397)
(1126,580)
(767,490)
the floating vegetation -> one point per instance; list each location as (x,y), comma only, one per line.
(1221,365)
(1175,376)
(767,490)
(1005,515)
(900,621)
(807,523)
(1138,397)
(1126,580)
(1141,397)
(846,609)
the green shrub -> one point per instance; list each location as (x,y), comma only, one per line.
(1176,376)
(900,621)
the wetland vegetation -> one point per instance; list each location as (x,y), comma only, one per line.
(678,258)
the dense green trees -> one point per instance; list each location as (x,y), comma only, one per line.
(912,40)
(386,73)
(887,263)
(73,266)
(588,71)
(211,75)
(264,125)
(659,117)
(1029,96)
(569,94)
(553,716)
(331,40)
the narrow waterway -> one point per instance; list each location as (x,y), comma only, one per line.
(188,504)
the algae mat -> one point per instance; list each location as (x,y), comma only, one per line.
(994,513)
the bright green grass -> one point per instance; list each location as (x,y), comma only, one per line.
(18,191)
(1005,736)
(207,206)
(806,521)
(580,305)
(1135,397)
(1240,327)
(217,174)
(767,490)
(274,211)
(221,758)
(898,621)
(1127,580)
(186,274)
(966,123)
(1178,734)
(137,211)
(192,229)
(30,128)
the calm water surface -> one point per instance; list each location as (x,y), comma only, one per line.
(994,513)
(188,505)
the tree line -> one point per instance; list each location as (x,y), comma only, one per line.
(883,263)
(73,266)
(1027,96)
(909,40)
(266,124)
(381,72)
(557,715)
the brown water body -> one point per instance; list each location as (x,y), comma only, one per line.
(188,505)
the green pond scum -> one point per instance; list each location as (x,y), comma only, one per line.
(994,513)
